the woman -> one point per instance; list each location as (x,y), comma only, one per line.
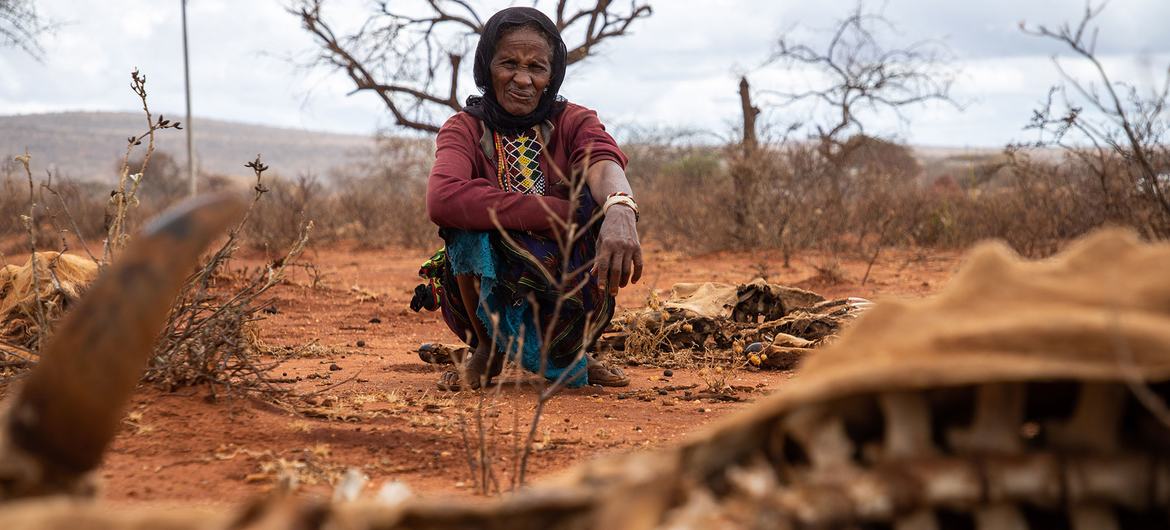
(510,161)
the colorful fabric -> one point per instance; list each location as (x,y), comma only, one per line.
(428,295)
(521,156)
(510,274)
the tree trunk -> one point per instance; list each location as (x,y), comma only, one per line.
(749,118)
(742,173)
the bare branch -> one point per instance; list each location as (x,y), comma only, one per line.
(21,27)
(862,75)
(413,62)
(1131,126)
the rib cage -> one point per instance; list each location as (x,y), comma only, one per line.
(958,457)
(1005,402)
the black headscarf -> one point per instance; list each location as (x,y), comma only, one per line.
(486,107)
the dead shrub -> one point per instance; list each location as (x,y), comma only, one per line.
(278,220)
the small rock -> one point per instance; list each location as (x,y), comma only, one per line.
(375,320)
(662,392)
(284,374)
(668,373)
(361,344)
(333,367)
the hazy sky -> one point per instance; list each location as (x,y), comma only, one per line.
(677,69)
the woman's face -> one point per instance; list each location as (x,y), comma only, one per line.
(521,69)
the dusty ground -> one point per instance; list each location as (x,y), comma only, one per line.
(389,420)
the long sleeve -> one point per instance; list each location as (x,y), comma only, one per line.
(590,141)
(457,200)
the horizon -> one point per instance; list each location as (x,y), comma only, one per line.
(1005,74)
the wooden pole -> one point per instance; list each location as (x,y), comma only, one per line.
(187,81)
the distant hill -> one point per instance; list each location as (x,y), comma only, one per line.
(87,145)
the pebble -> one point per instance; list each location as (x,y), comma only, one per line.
(662,392)
(668,373)
(333,367)
(361,344)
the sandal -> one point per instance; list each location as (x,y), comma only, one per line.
(600,374)
(432,353)
(449,381)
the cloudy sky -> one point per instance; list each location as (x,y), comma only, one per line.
(677,70)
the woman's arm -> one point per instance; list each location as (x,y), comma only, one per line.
(619,253)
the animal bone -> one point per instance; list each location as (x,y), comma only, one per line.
(61,420)
(999,412)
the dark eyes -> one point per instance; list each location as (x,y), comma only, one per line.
(513,65)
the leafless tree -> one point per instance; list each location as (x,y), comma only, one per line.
(861,75)
(21,26)
(1105,123)
(411,54)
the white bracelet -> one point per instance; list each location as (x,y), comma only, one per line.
(620,199)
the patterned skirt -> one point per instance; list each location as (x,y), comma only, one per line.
(518,300)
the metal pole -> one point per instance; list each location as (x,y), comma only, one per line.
(187,81)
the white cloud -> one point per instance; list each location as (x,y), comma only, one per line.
(679,68)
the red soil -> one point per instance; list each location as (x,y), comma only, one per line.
(180,447)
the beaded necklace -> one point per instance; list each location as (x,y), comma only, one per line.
(501,160)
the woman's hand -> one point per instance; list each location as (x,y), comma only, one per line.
(619,253)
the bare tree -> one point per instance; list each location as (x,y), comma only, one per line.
(861,75)
(1105,123)
(21,26)
(411,55)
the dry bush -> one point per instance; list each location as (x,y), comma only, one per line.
(683,180)
(277,221)
(165,182)
(382,199)
(379,211)
(12,205)
(210,336)
(377,201)
(786,199)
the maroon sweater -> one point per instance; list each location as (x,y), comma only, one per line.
(463,186)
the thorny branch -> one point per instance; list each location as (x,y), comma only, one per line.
(1114,118)
(207,339)
(30,221)
(125,196)
(568,281)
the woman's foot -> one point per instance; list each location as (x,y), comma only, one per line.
(600,374)
(475,368)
